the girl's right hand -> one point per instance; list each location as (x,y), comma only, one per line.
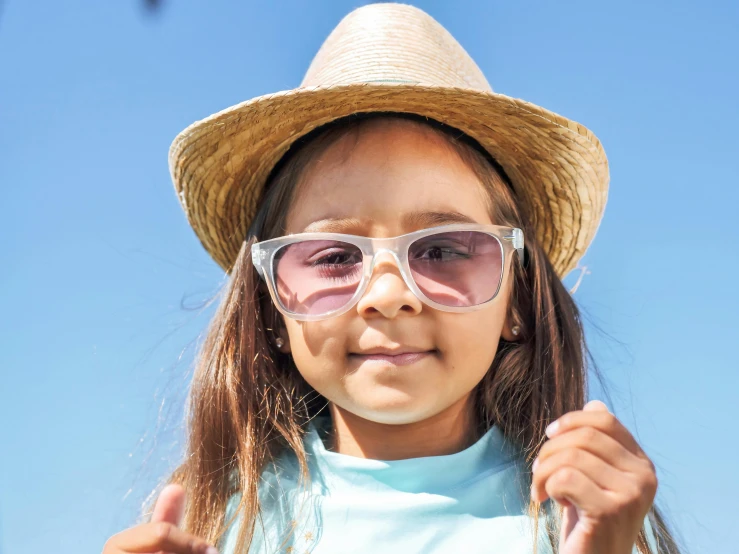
(162,533)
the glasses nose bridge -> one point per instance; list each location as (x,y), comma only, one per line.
(390,248)
(379,250)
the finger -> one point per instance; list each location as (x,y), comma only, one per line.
(570,486)
(595,405)
(170,506)
(155,537)
(602,474)
(605,421)
(594,441)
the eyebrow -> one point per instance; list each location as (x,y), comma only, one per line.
(432,219)
(413,220)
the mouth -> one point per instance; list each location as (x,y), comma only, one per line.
(389,357)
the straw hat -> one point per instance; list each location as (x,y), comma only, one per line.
(392,58)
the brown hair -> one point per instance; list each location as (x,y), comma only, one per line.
(248,402)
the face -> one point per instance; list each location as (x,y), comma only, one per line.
(369,183)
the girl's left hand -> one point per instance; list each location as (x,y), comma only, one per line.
(594,468)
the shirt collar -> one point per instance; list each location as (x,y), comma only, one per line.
(489,454)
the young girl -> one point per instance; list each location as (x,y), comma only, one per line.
(395,365)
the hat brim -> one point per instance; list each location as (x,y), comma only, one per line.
(558,167)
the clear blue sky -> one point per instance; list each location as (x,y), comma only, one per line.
(102,278)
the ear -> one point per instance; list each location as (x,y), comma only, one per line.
(507,332)
(281,332)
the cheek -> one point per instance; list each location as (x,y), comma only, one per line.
(470,340)
(318,349)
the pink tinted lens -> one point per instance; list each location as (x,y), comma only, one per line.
(315,277)
(456,269)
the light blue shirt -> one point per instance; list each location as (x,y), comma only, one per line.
(474,501)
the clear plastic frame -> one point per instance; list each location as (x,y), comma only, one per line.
(307,284)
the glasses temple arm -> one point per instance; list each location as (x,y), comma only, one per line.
(516,238)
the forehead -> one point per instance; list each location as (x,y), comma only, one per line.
(390,177)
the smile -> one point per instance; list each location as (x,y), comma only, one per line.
(405,358)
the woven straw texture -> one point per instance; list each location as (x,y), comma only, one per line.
(395,58)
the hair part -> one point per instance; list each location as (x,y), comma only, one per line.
(248,402)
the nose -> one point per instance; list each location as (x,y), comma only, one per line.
(387,294)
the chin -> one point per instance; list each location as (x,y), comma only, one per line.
(393,413)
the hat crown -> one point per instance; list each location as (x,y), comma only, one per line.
(393,43)
(392,58)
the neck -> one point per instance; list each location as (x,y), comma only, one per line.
(445,433)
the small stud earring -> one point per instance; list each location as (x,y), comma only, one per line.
(279,342)
(515,330)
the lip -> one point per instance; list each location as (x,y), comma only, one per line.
(398,356)
(392,351)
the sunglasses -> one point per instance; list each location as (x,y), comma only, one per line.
(453,268)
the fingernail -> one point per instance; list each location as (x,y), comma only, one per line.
(552,428)
(536,463)
(211,550)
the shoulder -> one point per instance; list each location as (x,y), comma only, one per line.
(278,479)
(227,543)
